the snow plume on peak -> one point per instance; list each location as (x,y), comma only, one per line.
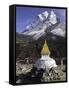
(53,17)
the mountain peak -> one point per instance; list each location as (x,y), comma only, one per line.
(44,21)
(43,15)
(53,17)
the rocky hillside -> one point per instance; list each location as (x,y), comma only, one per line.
(29,50)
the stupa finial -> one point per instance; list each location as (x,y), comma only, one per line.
(45,50)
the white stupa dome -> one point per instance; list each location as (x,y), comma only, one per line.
(45,62)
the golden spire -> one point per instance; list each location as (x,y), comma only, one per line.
(45,49)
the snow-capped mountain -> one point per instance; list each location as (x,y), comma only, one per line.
(44,22)
(59,30)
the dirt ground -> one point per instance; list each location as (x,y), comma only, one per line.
(23,69)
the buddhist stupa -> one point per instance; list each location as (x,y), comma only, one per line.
(45,62)
(45,50)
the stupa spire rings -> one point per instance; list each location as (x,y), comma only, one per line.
(45,50)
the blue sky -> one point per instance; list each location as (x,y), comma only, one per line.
(25,15)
